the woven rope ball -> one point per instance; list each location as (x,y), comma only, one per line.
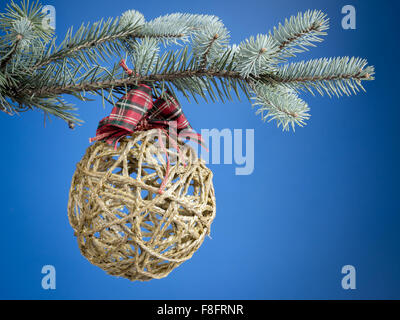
(122,222)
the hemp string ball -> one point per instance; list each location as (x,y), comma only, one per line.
(123,224)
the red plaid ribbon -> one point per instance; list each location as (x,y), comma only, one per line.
(137,111)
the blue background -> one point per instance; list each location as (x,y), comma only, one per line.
(318,199)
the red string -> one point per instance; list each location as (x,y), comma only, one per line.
(125,67)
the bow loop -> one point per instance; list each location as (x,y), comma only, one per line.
(136,111)
(125,115)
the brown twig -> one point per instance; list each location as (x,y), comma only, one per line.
(356,76)
(203,61)
(122,83)
(91,44)
(296,36)
(119,83)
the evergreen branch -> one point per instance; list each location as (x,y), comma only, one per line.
(170,27)
(56,107)
(144,55)
(27,11)
(124,82)
(35,72)
(105,37)
(301,75)
(95,44)
(203,60)
(281,104)
(85,39)
(300,31)
(50,105)
(256,56)
(129,27)
(334,76)
(7,58)
(209,42)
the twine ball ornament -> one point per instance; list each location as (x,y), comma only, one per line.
(123,223)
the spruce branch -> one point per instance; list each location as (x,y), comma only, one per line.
(129,81)
(7,58)
(29,13)
(257,55)
(334,76)
(300,31)
(209,42)
(35,71)
(277,102)
(204,57)
(98,36)
(178,26)
(144,55)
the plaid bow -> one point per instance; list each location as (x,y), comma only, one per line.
(137,111)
